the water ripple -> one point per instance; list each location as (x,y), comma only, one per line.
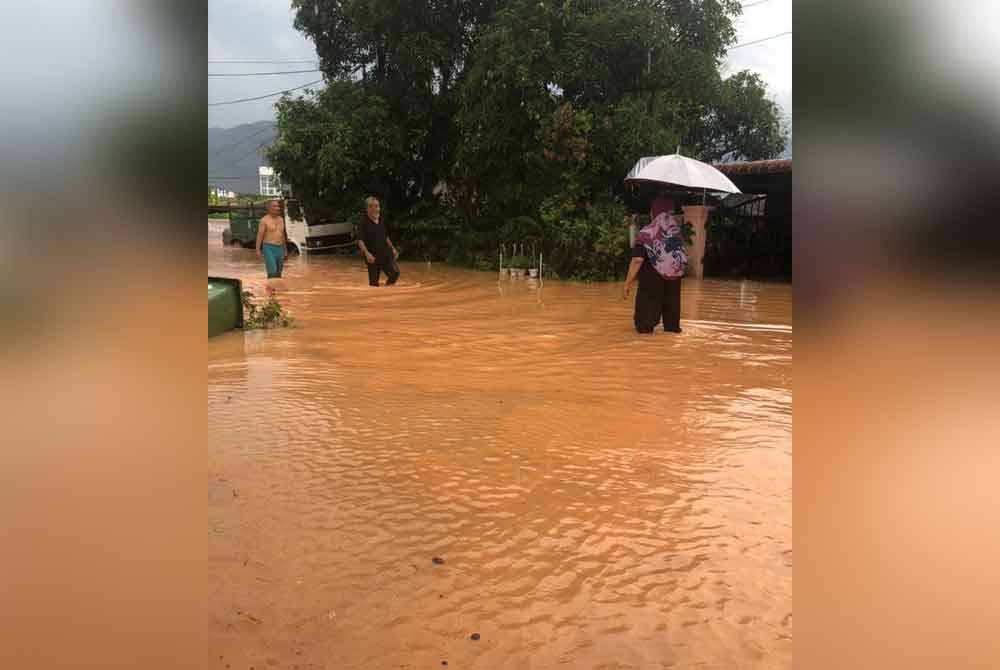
(600,499)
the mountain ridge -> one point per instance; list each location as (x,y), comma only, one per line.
(234,154)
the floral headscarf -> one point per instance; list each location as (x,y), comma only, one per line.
(662,240)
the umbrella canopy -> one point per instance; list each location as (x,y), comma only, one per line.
(680,171)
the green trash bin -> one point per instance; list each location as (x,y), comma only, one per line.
(225,305)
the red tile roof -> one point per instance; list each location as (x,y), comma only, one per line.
(756,167)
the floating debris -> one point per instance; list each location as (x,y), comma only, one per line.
(249,616)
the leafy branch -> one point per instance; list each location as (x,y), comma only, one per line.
(269,315)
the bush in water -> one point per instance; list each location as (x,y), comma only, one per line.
(269,315)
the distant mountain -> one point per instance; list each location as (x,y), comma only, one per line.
(238,152)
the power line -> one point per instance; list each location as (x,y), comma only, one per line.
(760,40)
(754,4)
(248,137)
(261,97)
(257,74)
(300,130)
(266,62)
(250,153)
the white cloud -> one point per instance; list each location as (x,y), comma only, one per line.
(771,59)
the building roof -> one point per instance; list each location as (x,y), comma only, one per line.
(756,167)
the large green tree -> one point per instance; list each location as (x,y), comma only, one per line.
(411,55)
(529,111)
(329,152)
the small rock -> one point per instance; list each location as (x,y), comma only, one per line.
(437,560)
(444,662)
(474,636)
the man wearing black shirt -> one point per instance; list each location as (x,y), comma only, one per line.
(375,245)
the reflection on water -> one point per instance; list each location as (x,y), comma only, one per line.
(600,499)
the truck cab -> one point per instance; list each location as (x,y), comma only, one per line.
(317,233)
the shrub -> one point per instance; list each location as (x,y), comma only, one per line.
(269,315)
(588,242)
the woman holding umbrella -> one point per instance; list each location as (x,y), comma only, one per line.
(658,260)
(658,256)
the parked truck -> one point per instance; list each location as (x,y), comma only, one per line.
(304,235)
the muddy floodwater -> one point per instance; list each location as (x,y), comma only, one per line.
(597,499)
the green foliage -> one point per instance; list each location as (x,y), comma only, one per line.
(743,123)
(687,232)
(480,122)
(268,315)
(586,243)
(338,149)
(424,238)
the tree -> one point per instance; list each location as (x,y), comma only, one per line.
(742,122)
(412,55)
(529,110)
(338,148)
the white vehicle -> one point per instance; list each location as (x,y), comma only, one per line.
(320,234)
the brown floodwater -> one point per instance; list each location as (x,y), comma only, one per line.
(600,499)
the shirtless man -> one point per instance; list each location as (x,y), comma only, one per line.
(272,240)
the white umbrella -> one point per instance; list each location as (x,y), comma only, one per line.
(677,170)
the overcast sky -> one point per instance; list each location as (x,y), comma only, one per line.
(262,30)
(771,59)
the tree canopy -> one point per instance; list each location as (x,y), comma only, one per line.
(494,113)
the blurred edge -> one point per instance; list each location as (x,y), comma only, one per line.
(896,267)
(103,521)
